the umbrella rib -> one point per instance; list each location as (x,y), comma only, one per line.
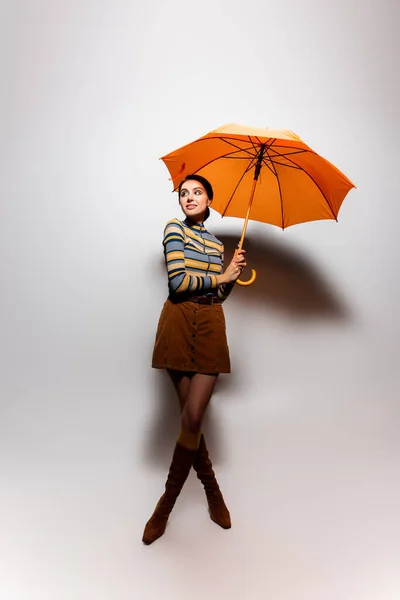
(283,165)
(250,166)
(313,180)
(287,153)
(253,144)
(235,139)
(229,155)
(248,149)
(269,142)
(266,144)
(280,192)
(306,149)
(269,166)
(229,141)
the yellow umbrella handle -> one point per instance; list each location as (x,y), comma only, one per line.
(250,281)
(253,273)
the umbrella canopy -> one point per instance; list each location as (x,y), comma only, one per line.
(264,175)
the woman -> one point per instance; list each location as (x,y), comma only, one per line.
(191,343)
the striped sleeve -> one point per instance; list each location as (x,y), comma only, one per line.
(179,281)
(225,288)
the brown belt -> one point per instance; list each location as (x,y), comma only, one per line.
(205,299)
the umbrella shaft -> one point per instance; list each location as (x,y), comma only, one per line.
(248,214)
(256,175)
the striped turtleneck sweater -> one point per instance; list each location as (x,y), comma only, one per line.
(193,258)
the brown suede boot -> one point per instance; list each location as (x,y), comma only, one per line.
(219,512)
(182,462)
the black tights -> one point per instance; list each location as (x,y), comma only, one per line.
(194,392)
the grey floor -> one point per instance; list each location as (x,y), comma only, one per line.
(312,484)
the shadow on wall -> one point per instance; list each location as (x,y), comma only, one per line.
(288,284)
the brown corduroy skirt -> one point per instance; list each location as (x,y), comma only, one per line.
(192,337)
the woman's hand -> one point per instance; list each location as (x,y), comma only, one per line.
(235,268)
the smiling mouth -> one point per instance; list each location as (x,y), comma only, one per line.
(190,206)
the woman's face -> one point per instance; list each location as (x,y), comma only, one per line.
(194,200)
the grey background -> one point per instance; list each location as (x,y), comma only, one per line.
(304,433)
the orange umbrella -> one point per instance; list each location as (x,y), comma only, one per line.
(264,175)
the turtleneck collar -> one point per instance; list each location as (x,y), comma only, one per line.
(194,226)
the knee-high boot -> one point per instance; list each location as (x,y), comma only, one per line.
(219,512)
(181,464)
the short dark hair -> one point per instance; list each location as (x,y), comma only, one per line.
(206,185)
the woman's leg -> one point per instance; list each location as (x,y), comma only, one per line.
(200,392)
(186,448)
(181,381)
(219,512)
(196,402)
(194,393)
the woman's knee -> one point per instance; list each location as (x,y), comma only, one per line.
(192,419)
